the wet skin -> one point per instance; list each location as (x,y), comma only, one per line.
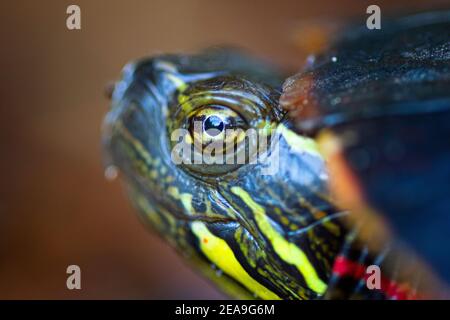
(254,234)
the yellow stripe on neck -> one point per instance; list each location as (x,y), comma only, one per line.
(218,252)
(287,251)
(178,83)
(299,143)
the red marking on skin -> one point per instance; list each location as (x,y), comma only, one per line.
(344,267)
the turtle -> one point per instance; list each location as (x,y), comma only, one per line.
(222,161)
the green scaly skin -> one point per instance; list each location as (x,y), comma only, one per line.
(256,235)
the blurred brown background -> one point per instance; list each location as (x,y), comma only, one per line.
(56,208)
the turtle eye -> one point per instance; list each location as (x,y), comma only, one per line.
(215,124)
(216,141)
(219,124)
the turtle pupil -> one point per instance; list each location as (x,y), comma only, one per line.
(213,125)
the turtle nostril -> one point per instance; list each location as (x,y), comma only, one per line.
(109,89)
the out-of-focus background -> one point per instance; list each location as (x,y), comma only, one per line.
(56,208)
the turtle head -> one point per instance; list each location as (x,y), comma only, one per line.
(212,164)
